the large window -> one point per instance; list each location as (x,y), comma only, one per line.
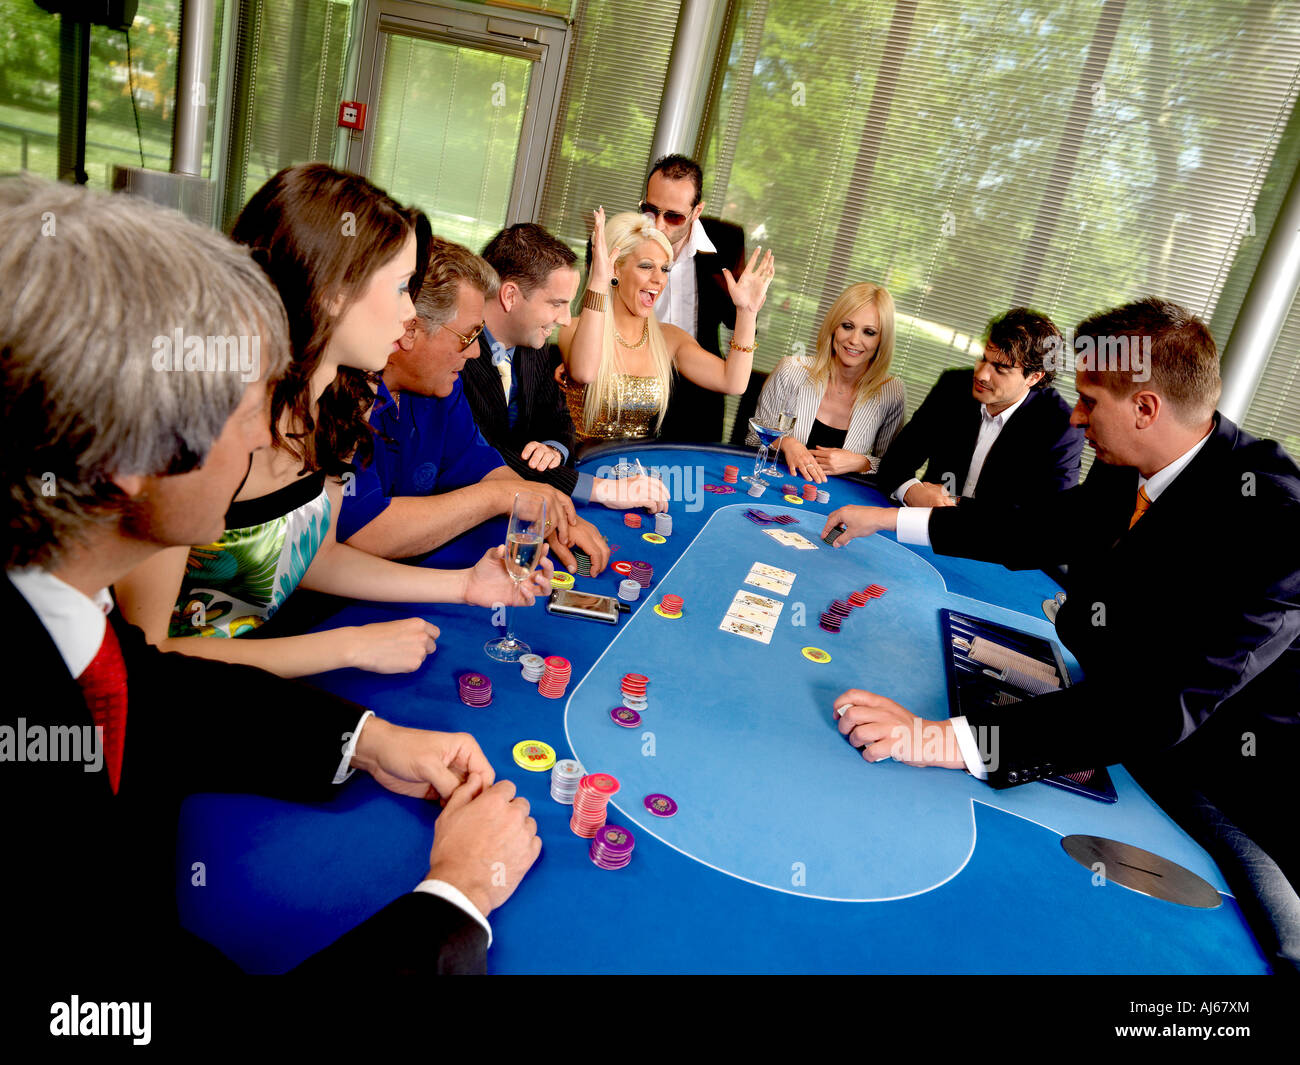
(1067,155)
(143,66)
(608,109)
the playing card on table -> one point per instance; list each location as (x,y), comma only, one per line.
(757,605)
(749,629)
(770,578)
(791,539)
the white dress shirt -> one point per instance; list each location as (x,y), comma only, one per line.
(76,622)
(679,303)
(990,426)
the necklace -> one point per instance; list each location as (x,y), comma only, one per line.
(645,336)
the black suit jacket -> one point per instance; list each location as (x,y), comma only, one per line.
(1035,455)
(92,874)
(1187,627)
(695,413)
(543,412)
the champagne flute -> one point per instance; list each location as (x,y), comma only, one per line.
(524,540)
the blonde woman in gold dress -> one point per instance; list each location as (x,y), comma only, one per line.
(618,359)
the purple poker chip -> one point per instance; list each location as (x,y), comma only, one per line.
(615,840)
(625,716)
(660,805)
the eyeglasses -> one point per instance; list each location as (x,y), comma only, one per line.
(466,341)
(673,218)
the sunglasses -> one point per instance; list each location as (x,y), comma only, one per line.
(673,218)
(466,341)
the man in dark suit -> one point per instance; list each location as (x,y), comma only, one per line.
(511,387)
(1190,648)
(1002,436)
(111,455)
(695,297)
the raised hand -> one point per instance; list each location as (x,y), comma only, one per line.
(602,267)
(750,290)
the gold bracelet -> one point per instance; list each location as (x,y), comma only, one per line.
(741,347)
(596,301)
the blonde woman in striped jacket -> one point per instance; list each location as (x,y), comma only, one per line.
(848,408)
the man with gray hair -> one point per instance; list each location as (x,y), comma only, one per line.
(433,475)
(113,449)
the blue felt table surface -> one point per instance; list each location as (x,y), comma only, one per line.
(789,853)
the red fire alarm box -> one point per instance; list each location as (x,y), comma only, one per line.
(352,114)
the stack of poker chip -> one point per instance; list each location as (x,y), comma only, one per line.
(475,690)
(633,687)
(664,524)
(531,667)
(833,616)
(787,490)
(823,496)
(730,474)
(859,599)
(671,605)
(628,590)
(582,562)
(564,781)
(810,492)
(589,802)
(611,848)
(641,573)
(756,489)
(632,519)
(555,677)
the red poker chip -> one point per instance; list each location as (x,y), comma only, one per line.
(622,567)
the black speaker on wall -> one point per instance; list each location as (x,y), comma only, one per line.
(115,14)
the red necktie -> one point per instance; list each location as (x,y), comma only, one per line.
(104,685)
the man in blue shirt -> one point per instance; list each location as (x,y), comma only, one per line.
(432,475)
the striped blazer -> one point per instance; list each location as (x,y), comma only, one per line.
(871,429)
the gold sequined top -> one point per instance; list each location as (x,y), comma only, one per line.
(640,399)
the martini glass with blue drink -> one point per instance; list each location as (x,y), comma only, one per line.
(785,422)
(524,541)
(767,436)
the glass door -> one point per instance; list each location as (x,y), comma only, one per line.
(460,111)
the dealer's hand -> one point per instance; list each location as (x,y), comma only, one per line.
(927,494)
(860,521)
(883,729)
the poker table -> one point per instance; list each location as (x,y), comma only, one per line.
(788,852)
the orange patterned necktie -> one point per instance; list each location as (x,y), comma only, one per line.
(1143,504)
(104,685)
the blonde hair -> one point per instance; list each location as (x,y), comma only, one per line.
(623,234)
(848,303)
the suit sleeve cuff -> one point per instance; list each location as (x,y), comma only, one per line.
(903,489)
(970,752)
(914,526)
(345,769)
(582,490)
(454,895)
(558,447)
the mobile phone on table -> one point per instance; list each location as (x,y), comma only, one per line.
(587,605)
